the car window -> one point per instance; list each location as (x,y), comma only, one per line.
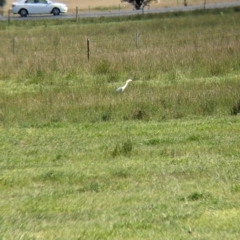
(36,1)
(29,1)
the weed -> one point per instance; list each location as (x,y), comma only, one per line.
(106,117)
(51,175)
(235,109)
(153,141)
(90,187)
(102,67)
(120,173)
(235,188)
(125,148)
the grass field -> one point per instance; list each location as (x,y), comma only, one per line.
(177,179)
(159,161)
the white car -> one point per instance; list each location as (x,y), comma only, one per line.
(38,7)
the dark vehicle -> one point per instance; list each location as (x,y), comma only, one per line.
(138,4)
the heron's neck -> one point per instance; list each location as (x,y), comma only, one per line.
(125,85)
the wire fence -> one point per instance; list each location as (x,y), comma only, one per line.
(93,45)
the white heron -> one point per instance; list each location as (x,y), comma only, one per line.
(121,89)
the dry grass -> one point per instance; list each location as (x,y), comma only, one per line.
(162,49)
(171,65)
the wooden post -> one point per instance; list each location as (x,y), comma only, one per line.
(205,4)
(9,11)
(76,14)
(88,49)
(13,46)
(136,39)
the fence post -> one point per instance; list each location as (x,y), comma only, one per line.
(88,49)
(9,11)
(13,45)
(76,14)
(136,39)
(205,4)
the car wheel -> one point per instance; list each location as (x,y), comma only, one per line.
(56,11)
(23,12)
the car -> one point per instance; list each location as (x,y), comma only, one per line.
(27,7)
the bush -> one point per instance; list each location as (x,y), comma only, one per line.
(2,3)
(124,149)
(138,3)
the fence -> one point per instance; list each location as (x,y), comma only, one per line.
(94,46)
(122,46)
(136,56)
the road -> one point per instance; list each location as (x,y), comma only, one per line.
(124,12)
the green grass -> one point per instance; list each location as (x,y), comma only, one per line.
(77,162)
(178,179)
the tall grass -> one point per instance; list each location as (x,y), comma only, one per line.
(97,103)
(48,78)
(208,42)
